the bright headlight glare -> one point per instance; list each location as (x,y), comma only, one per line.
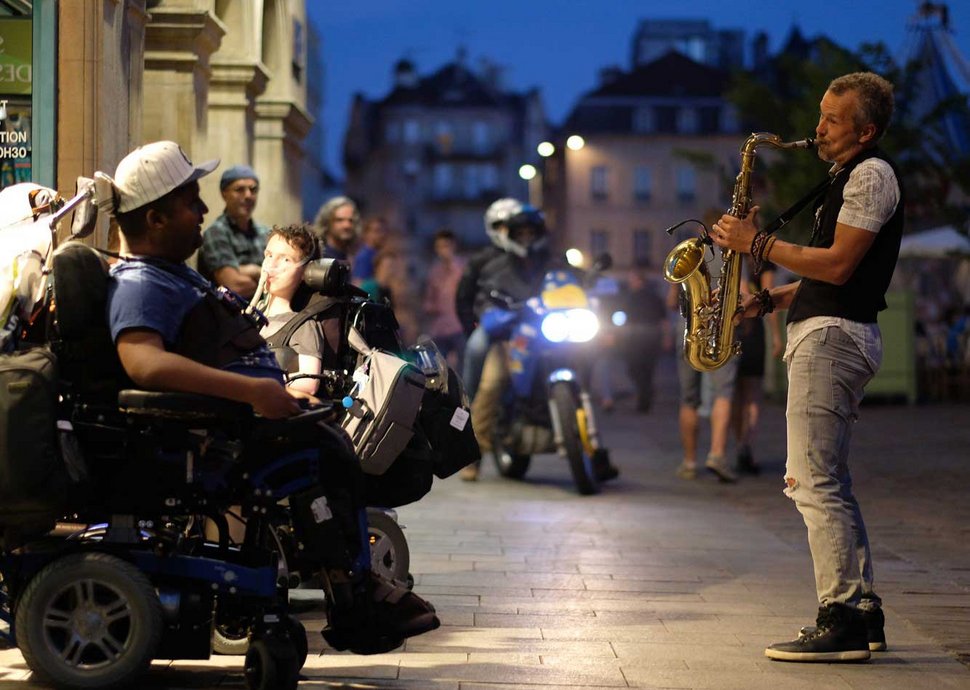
(555,327)
(583,325)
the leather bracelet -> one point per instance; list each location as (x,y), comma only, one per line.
(769,245)
(766,304)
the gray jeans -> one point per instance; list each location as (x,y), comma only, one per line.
(826,377)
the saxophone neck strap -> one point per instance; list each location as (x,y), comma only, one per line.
(783,220)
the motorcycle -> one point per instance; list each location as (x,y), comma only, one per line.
(548,408)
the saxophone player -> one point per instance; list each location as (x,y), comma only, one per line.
(834,349)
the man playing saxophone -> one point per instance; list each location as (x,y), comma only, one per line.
(834,349)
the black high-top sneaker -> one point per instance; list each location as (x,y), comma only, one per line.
(875,628)
(840,635)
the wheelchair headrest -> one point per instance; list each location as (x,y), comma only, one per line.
(87,354)
(80,289)
(327,276)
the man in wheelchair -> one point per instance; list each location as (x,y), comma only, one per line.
(174,331)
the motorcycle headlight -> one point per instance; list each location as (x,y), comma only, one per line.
(555,327)
(574,325)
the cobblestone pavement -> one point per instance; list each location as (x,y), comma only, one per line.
(664,583)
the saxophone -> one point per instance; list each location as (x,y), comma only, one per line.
(709,337)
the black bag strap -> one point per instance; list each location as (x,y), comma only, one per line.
(786,217)
(316,306)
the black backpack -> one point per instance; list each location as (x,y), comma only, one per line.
(34,479)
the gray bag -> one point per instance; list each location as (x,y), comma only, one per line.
(387,397)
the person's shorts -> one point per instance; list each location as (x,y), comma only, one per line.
(722,382)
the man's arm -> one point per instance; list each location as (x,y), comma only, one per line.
(834,264)
(465,297)
(151,366)
(242,279)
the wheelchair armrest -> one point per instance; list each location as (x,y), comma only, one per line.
(270,428)
(184,406)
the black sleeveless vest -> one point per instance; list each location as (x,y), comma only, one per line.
(864,294)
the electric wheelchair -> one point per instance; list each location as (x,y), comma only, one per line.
(107,565)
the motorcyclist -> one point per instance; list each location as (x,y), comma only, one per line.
(513,266)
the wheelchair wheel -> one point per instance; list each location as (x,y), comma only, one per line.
(89,620)
(230,637)
(271,665)
(299,640)
(389,552)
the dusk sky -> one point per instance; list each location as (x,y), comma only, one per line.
(559,46)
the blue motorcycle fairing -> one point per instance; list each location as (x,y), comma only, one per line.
(496,321)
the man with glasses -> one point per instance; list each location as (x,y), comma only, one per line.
(232,247)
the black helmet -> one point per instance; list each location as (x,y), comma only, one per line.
(529,217)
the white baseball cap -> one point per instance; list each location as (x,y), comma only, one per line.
(152,171)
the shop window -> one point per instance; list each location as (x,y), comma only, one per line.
(16,84)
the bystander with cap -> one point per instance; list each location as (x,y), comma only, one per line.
(232,247)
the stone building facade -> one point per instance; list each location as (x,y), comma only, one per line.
(224,78)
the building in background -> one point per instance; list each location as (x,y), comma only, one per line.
(657,151)
(437,149)
(91,80)
(695,38)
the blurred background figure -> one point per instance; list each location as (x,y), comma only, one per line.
(721,382)
(337,226)
(393,283)
(441,316)
(749,386)
(373,237)
(232,247)
(645,335)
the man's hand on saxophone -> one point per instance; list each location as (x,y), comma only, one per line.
(736,233)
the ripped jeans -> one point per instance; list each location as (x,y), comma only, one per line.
(826,377)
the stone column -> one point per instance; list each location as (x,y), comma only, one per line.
(178,44)
(99,99)
(233,89)
(281,127)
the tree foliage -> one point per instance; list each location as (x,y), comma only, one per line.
(784,98)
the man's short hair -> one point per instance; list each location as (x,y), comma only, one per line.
(322,221)
(132,223)
(876,100)
(300,237)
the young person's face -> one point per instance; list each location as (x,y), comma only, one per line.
(283,266)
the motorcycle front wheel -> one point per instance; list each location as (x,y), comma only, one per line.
(570,412)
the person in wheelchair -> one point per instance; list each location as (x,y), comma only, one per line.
(316,342)
(174,331)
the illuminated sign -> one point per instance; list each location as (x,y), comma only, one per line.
(16,56)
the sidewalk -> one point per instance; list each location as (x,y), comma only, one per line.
(664,583)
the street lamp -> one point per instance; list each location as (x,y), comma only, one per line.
(546,149)
(575,142)
(533,176)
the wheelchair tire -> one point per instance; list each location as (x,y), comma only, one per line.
(389,552)
(230,639)
(270,666)
(89,620)
(299,639)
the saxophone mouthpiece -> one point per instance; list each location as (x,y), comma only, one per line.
(808,143)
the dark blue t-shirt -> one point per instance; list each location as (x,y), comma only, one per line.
(148,296)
